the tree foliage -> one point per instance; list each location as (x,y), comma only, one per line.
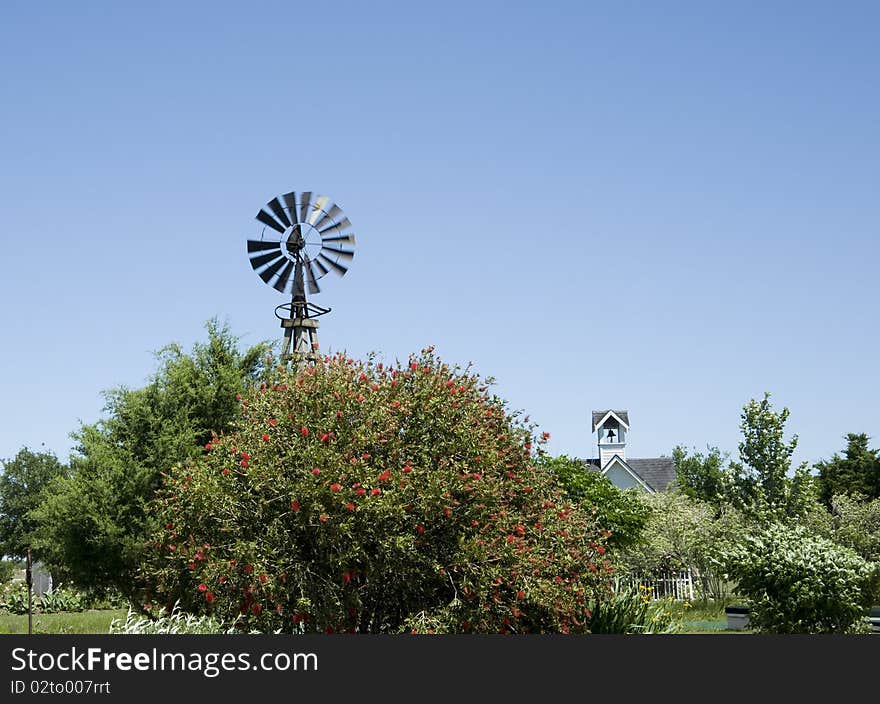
(362,498)
(857,472)
(797,582)
(856,524)
(762,482)
(92,524)
(622,512)
(22,487)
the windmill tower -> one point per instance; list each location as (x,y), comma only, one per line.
(301,241)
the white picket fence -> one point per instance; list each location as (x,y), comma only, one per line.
(678,586)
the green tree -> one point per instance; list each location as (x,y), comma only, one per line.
(351,496)
(622,513)
(856,524)
(686,533)
(857,472)
(704,477)
(93,525)
(22,487)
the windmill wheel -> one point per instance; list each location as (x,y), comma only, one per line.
(301,239)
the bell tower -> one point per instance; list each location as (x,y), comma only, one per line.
(611,427)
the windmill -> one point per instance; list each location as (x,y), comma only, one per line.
(301,241)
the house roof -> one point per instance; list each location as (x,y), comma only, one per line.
(657,472)
(599,416)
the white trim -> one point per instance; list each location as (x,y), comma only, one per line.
(630,470)
(605,417)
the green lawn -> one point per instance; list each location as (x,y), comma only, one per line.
(92,621)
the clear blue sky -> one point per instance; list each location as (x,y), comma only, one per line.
(663,207)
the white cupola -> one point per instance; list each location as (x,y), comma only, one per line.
(611,427)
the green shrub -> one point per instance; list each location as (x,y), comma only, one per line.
(14,598)
(800,583)
(7,570)
(631,610)
(60,599)
(358,497)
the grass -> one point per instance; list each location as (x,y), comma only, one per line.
(91,621)
(702,617)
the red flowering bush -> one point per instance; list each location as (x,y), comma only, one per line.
(385,500)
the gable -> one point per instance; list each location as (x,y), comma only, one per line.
(623,476)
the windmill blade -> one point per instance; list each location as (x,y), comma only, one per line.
(269,221)
(310,277)
(342,239)
(257,262)
(341,253)
(334,212)
(270,271)
(340,226)
(261,245)
(318,208)
(290,203)
(336,266)
(323,269)
(275,207)
(284,277)
(304,205)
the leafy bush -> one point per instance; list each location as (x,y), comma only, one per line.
(358,497)
(631,610)
(622,512)
(800,583)
(60,599)
(14,598)
(166,622)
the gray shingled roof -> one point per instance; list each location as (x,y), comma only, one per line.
(657,472)
(599,415)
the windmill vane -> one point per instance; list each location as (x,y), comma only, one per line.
(302,239)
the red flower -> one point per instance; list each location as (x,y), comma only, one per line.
(191,565)
(365,456)
(349,506)
(244,463)
(375,387)
(257,609)
(225,472)
(248,569)
(420,529)
(304,431)
(510,538)
(335,487)
(447,511)
(413,366)
(245,456)
(339,414)
(209,597)
(265,437)
(385,476)
(316,471)
(520,594)
(322,518)
(545,436)
(264,578)
(407,469)
(294,505)
(601,549)
(519,530)
(273,422)
(203,587)
(346,577)
(362,377)
(361,491)
(209,446)
(172,548)
(325,437)
(361,399)
(222,579)
(375,492)
(296,618)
